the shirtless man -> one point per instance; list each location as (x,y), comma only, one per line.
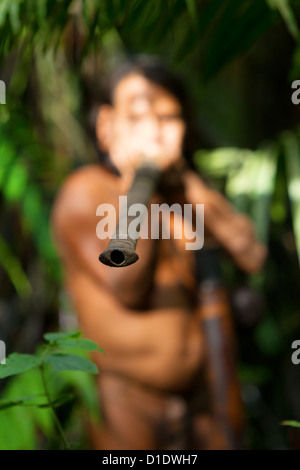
(143,315)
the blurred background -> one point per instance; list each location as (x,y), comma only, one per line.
(238,59)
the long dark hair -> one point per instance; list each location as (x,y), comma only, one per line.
(156,70)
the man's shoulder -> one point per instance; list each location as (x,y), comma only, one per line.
(82,191)
(87,179)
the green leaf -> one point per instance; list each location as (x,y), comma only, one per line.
(18,363)
(83,383)
(58,401)
(268,337)
(249,373)
(82,343)
(5,403)
(294,424)
(41,11)
(27,418)
(14,15)
(292,155)
(16,184)
(238,27)
(221,161)
(60,335)
(7,155)
(25,401)
(192,10)
(251,187)
(4,9)
(263,189)
(13,268)
(288,16)
(70,362)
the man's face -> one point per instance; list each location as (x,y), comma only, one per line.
(145,123)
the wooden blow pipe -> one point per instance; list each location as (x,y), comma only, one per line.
(121,249)
(214,314)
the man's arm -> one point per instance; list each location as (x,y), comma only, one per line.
(233,230)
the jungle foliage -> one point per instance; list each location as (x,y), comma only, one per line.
(238,58)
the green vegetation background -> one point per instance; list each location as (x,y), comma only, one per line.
(238,58)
